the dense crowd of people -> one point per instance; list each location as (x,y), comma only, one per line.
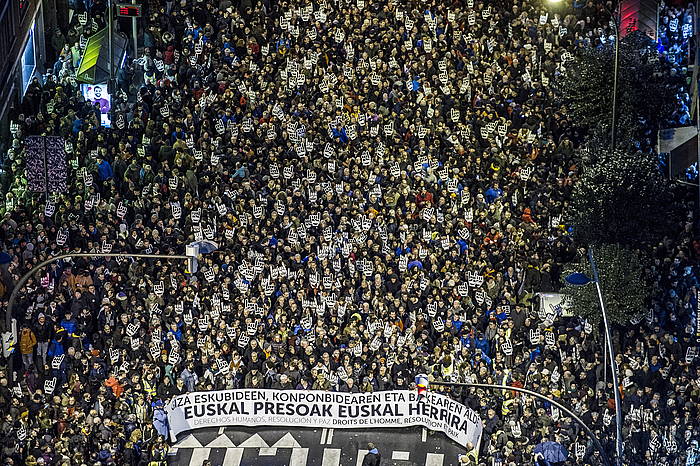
(676,30)
(676,36)
(385,183)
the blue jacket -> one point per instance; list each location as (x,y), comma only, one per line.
(104,170)
(482,344)
(241,172)
(500,316)
(55,348)
(485,358)
(77,125)
(463,246)
(70,325)
(492,194)
(177,333)
(341,134)
(160,422)
(415,263)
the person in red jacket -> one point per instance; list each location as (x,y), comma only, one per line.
(424,197)
(527,216)
(113,383)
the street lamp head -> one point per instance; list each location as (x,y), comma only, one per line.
(578,279)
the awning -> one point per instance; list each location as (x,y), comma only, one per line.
(682,146)
(94,64)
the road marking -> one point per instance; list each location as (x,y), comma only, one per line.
(424,435)
(233,456)
(199,455)
(287,441)
(400,455)
(323,436)
(329,439)
(222,441)
(221,430)
(331,457)
(189,442)
(299,457)
(361,456)
(268,451)
(254,441)
(434,459)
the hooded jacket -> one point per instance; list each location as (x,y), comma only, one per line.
(116,387)
(27,341)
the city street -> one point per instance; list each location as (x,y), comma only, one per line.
(242,446)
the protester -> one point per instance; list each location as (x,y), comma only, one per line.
(372,457)
(676,26)
(385,184)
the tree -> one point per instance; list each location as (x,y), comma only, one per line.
(620,198)
(647,86)
(621,275)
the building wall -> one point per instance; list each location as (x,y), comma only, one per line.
(20,21)
(639,15)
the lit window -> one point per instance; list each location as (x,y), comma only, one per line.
(28,61)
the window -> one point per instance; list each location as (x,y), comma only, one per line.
(28,61)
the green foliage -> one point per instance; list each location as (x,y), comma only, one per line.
(620,198)
(647,86)
(621,275)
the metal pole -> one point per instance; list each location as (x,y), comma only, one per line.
(697,105)
(613,363)
(590,433)
(605,362)
(613,131)
(134,29)
(46,167)
(21,282)
(109,39)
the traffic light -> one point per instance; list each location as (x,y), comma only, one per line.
(422,385)
(9,340)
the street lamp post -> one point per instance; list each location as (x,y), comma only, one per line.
(422,382)
(191,257)
(613,363)
(110,34)
(616,69)
(579,279)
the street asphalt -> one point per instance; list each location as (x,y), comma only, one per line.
(278,446)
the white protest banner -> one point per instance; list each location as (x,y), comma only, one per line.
(251,407)
(557,302)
